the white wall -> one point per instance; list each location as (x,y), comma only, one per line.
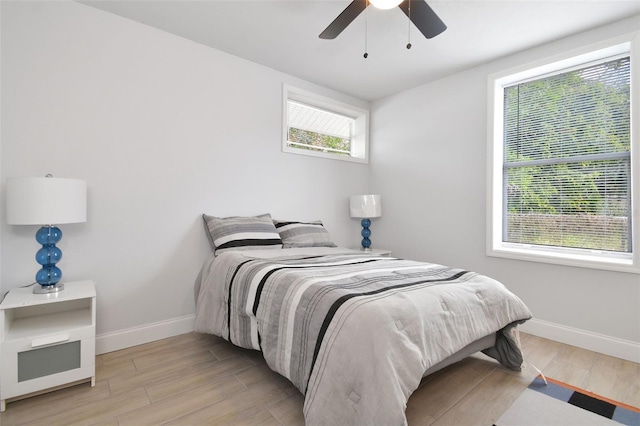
(429,164)
(162,129)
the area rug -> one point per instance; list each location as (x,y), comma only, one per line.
(560,404)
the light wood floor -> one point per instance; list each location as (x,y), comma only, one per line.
(196,379)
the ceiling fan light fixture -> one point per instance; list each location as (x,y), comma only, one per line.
(418,12)
(385,4)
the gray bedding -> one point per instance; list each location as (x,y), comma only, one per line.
(355,333)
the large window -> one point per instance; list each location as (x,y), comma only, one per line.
(562,168)
(323,127)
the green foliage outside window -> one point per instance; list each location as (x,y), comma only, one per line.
(319,142)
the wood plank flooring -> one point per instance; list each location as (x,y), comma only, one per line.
(195,379)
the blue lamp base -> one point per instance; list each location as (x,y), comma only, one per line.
(366,233)
(49,275)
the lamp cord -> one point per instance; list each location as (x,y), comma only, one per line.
(7,292)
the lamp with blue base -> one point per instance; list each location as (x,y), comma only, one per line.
(46,200)
(365,207)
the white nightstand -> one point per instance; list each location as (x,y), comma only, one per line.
(47,340)
(379,252)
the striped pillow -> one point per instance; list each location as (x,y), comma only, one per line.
(303,234)
(241,233)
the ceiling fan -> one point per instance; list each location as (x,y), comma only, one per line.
(418,11)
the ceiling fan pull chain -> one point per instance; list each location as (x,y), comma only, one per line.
(409,26)
(366,22)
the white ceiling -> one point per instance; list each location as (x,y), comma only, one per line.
(284,35)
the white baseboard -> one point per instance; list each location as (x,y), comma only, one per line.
(110,342)
(607,345)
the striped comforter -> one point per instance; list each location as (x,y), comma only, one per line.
(354,332)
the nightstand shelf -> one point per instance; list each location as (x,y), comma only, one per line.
(50,323)
(46,340)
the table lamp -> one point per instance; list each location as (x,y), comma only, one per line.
(365,207)
(46,201)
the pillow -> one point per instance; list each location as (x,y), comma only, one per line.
(303,234)
(241,233)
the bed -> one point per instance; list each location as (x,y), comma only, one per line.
(354,332)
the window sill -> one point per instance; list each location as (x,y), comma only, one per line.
(321,154)
(593,260)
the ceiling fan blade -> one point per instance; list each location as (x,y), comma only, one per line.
(351,12)
(423,17)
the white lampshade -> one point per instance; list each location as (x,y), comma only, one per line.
(385,4)
(365,206)
(46,201)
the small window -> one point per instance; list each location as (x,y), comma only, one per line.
(318,130)
(319,126)
(561,153)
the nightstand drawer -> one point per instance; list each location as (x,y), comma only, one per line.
(48,366)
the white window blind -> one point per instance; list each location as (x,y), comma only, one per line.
(567,162)
(317,120)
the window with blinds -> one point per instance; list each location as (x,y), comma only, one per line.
(567,161)
(563,142)
(316,129)
(321,126)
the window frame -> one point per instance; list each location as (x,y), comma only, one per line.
(624,45)
(360,139)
